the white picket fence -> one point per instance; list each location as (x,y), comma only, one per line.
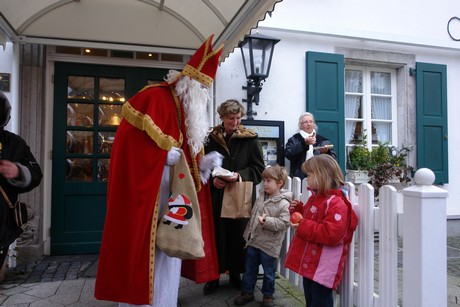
(422,230)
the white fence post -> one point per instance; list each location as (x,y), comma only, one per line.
(388,247)
(424,253)
(366,246)
(345,289)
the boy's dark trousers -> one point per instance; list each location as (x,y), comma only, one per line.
(254,258)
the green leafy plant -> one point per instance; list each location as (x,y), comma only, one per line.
(384,163)
(388,163)
(360,156)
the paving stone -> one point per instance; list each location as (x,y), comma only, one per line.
(32,285)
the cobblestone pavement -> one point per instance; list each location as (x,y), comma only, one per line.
(69,281)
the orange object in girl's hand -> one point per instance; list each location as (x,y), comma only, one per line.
(296,217)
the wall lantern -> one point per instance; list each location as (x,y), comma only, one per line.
(257,51)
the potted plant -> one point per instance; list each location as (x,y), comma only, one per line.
(359,162)
(383,165)
(389,166)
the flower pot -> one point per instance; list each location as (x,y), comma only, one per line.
(357,177)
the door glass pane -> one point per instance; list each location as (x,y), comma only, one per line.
(109,115)
(103,169)
(380,83)
(153,82)
(105,140)
(79,169)
(112,89)
(80,87)
(80,114)
(79,142)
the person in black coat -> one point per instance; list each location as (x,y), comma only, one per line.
(19,173)
(243,156)
(306,144)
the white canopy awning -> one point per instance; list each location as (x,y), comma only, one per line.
(178,26)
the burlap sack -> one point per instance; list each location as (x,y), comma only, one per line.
(179,231)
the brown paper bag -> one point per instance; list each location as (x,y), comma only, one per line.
(179,231)
(237,201)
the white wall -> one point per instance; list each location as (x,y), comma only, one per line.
(325,25)
(6,66)
(397,21)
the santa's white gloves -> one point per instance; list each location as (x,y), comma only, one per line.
(173,156)
(207,164)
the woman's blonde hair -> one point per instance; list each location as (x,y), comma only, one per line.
(327,172)
(275,172)
(230,106)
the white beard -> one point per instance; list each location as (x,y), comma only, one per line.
(195,98)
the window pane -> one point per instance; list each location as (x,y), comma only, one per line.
(80,114)
(112,89)
(79,142)
(80,87)
(79,169)
(95,52)
(103,169)
(381,108)
(109,115)
(353,106)
(122,54)
(381,132)
(355,134)
(172,57)
(105,141)
(353,81)
(148,56)
(380,83)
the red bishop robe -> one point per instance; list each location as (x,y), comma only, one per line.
(153,123)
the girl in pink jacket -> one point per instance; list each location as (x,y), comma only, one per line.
(320,245)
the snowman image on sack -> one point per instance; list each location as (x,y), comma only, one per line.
(180,210)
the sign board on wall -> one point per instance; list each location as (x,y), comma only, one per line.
(271,138)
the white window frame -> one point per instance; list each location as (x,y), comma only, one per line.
(366,104)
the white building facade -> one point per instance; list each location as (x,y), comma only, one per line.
(391,60)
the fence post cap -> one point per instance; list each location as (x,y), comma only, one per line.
(424,176)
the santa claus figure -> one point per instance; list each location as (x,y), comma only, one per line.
(157,122)
(180,210)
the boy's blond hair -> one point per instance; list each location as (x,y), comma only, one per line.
(327,171)
(275,172)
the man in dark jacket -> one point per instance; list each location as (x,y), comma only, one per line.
(306,144)
(19,173)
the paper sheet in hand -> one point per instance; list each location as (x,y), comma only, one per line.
(221,172)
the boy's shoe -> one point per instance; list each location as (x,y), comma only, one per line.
(244,298)
(267,302)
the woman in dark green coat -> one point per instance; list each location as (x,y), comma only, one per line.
(243,156)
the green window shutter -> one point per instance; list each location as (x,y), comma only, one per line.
(325,98)
(431,104)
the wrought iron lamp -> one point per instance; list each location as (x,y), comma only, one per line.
(257,51)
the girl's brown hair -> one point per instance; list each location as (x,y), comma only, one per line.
(327,172)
